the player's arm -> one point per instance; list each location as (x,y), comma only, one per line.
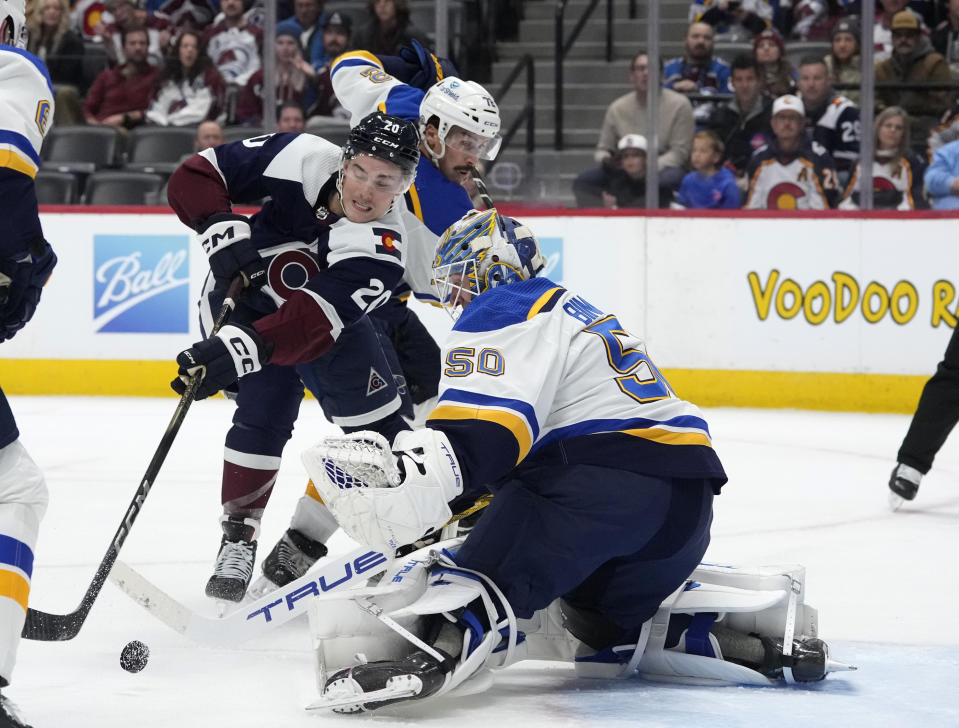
(361,84)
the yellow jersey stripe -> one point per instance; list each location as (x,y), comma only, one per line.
(510,420)
(668,437)
(17,162)
(365,55)
(15,587)
(540,302)
(415,200)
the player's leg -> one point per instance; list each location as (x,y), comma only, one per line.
(267,405)
(356,387)
(935,417)
(23,501)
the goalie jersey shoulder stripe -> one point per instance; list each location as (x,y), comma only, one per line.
(26,109)
(564,379)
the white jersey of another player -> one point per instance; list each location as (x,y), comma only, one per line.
(26,109)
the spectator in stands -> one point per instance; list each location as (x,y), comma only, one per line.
(208,134)
(294,81)
(697,71)
(627,115)
(710,186)
(61,48)
(130,14)
(947,131)
(882,30)
(190,89)
(733,20)
(119,96)
(743,123)
(622,182)
(791,172)
(187,14)
(945,37)
(778,75)
(896,172)
(843,61)
(808,19)
(234,45)
(831,119)
(914,61)
(290,118)
(336,40)
(942,178)
(307,24)
(388,28)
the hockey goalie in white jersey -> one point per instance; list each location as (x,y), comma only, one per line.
(602,481)
(26,261)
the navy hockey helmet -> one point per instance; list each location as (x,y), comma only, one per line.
(482,250)
(389,138)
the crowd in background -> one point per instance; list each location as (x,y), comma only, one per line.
(761,132)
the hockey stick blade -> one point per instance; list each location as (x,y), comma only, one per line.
(48,627)
(251,620)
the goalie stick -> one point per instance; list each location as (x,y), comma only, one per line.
(58,627)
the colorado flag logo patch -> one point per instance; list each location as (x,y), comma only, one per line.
(388,242)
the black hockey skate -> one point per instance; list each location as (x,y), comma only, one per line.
(9,717)
(376,684)
(290,559)
(809,660)
(234,563)
(903,485)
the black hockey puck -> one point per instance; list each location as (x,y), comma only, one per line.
(134,656)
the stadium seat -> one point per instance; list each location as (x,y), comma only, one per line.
(95,61)
(236,133)
(158,149)
(121,187)
(56,188)
(330,128)
(82,149)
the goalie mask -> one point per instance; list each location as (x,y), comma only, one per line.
(467,107)
(13,23)
(482,250)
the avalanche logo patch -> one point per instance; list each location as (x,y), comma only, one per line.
(388,242)
(141,284)
(376,382)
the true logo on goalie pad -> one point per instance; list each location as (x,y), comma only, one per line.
(376,383)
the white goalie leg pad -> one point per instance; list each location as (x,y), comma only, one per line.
(382,497)
(766,600)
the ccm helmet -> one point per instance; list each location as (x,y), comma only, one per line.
(13,23)
(467,105)
(482,250)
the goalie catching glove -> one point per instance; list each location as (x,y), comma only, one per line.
(221,360)
(386,497)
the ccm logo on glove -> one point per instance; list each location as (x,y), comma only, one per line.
(216,238)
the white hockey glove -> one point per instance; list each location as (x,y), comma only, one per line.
(386,497)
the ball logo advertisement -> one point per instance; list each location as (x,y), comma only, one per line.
(552,250)
(141,284)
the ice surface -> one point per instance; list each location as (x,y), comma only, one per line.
(804,488)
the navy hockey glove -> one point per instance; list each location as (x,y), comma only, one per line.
(21,282)
(221,360)
(422,68)
(225,238)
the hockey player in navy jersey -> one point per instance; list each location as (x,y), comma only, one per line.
(791,172)
(326,249)
(26,261)
(459,125)
(602,479)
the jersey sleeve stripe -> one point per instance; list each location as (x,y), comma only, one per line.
(546,302)
(355,58)
(12,139)
(670,437)
(15,587)
(414,198)
(509,420)
(521,408)
(11,159)
(16,553)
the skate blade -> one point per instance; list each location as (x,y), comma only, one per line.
(348,697)
(895,501)
(836,666)
(260,588)
(223,607)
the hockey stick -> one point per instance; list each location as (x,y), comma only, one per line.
(271,610)
(481,188)
(57,627)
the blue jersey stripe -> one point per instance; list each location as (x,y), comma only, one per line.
(40,65)
(20,142)
(16,553)
(485,400)
(592,427)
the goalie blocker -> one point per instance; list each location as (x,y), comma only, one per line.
(429,628)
